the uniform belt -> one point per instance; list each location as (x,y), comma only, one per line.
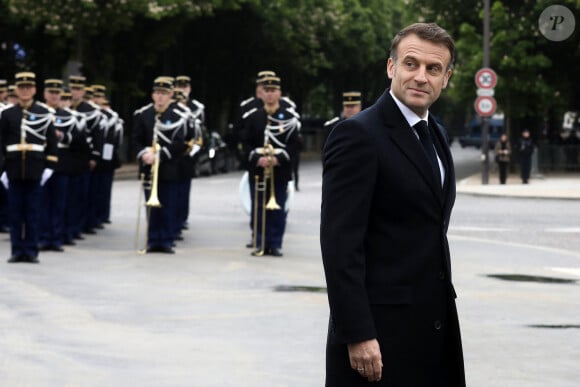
(63,146)
(25,147)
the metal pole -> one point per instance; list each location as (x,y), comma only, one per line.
(485,122)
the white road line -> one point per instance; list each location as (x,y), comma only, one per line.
(569,230)
(575,271)
(480,229)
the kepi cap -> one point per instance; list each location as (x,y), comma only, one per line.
(182,80)
(264,74)
(163,83)
(271,82)
(25,78)
(77,81)
(53,84)
(351,98)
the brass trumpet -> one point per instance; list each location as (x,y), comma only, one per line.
(152,185)
(261,186)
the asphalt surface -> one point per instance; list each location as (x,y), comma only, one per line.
(101,314)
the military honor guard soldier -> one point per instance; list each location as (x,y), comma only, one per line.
(54,192)
(351,105)
(104,172)
(271,136)
(91,120)
(159,137)
(4,224)
(196,136)
(29,144)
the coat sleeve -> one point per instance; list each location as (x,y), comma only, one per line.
(349,177)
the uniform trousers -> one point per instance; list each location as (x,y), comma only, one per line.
(183,189)
(162,219)
(52,218)
(74,208)
(24,210)
(103,181)
(275,219)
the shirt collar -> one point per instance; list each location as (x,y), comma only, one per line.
(411,117)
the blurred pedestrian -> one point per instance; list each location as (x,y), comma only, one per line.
(525,150)
(503,151)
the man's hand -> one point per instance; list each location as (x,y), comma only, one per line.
(365,358)
(265,161)
(148,157)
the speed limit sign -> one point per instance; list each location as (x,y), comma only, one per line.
(485,106)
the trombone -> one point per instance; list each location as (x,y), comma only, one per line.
(262,186)
(152,185)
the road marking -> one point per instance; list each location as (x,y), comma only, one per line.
(514,244)
(575,271)
(480,229)
(570,230)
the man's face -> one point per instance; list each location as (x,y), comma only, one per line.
(350,110)
(184,87)
(77,93)
(3,95)
(52,98)
(65,103)
(99,100)
(420,73)
(25,92)
(259,91)
(271,95)
(161,98)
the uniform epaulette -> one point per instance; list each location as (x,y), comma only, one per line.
(142,109)
(42,104)
(247,101)
(198,104)
(293,112)
(248,113)
(331,121)
(290,102)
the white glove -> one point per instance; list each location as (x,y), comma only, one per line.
(4,180)
(194,150)
(46,174)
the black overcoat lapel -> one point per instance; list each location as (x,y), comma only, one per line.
(404,138)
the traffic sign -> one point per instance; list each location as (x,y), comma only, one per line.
(485,78)
(485,92)
(485,106)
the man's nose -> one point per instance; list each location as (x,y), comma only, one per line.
(420,76)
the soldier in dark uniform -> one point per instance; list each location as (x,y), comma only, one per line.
(351,105)
(195,112)
(92,121)
(248,105)
(3,91)
(4,223)
(159,135)
(271,126)
(29,143)
(11,98)
(54,192)
(104,172)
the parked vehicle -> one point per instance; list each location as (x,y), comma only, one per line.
(213,157)
(472,136)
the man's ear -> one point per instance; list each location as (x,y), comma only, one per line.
(446,79)
(390,68)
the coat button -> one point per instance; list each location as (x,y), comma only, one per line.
(437,324)
(441,275)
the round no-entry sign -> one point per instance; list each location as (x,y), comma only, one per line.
(485,78)
(485,106)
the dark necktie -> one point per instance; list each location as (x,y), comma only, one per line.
(425,137)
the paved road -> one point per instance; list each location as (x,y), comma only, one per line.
(211,315)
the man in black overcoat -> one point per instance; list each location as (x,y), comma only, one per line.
(387,193)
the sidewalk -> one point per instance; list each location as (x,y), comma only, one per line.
(549,186)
